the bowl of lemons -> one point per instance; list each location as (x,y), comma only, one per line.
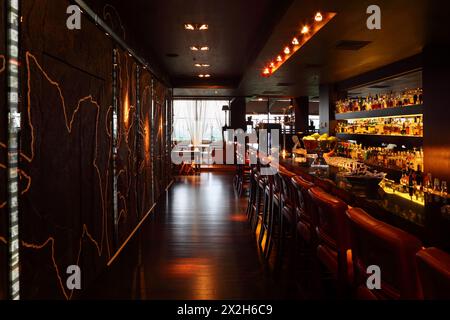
(319,144)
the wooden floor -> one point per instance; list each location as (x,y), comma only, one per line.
(197,245)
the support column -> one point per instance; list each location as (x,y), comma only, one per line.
(301,107)
(238,112)
(327,105)
(436,86)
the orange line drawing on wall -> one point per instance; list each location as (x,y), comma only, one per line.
(69,124)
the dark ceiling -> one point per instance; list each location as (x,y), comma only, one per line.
(245,35)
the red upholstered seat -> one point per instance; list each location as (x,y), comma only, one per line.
(434,273)
(331,225)
(374,242)
(303,208)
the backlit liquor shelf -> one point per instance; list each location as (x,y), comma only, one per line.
(393,128)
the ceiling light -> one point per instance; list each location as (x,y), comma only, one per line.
(297,43)
(318,17)
(204,48)
(194,48)
(207,75)
(201,75)
(201,65)
(196,26)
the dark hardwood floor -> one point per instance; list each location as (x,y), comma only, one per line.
(196,245)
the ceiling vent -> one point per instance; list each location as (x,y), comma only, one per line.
(272,92)
(285,84)
(351,45)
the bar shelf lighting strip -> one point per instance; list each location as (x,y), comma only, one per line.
(13,20)
(305,33)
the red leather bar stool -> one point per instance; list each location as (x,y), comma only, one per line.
(303,216)
(345,196)
(375,243)
(261,183)
(271,195)
(281,205)
(252,192)
(324,184)
(304,240)
(328,214)
(287,212)
(434,273)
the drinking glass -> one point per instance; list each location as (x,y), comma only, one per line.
(436,185)
(444,190)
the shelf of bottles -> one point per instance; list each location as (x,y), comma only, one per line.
(388,158)
(380,102)
(400,126)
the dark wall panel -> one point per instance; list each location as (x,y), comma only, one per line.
(127,151)
(436,87)
(66,161)
(145,157)
(3,160)
(65,208)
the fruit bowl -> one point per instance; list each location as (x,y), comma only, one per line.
(319,144)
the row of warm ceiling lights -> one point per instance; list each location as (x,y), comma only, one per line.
(203,48)
(289,50)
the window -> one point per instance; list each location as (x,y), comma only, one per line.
(198,121)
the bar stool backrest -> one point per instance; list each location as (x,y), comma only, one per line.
(375,243)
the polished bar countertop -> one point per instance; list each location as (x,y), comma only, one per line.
(430,222)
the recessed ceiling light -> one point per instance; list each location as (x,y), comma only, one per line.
(199,48)
(196,26)
(279,59)
(295,42)
(207,75)
(287,50)
(201,65)
(305,29)
(201,75)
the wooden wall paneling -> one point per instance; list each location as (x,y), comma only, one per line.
(66,203)
(65,150)
(127,155)
(145,165)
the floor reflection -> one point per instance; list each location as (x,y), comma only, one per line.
(197,245)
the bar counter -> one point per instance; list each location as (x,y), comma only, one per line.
(429,222)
